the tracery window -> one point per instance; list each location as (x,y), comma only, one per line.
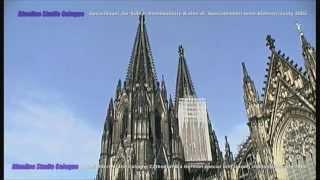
(299,142)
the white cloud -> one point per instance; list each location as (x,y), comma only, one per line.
(42,129)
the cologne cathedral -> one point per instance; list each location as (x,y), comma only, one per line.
(150,136)
(145,137)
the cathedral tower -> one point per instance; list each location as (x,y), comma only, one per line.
(199,149)
(141,138)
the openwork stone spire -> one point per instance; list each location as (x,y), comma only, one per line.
(309,55)
(141,67)
(248,85)
(251,98)
(184,86)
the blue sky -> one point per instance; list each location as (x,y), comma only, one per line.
(61,72)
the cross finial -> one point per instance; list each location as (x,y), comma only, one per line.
(181,51)
(299,27)
(270,42)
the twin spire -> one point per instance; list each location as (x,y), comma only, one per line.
(141,68)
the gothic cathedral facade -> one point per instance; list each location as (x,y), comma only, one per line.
(143,140)
(282,121)
(141,130)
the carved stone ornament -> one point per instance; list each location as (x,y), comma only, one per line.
(299,141)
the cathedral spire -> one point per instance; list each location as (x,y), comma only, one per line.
(141,67)
(106,139)
(251,98)
(228,153)
(184,86)
(110,107)
(245,72)
(108,121)
(228,159)
(305,43)
(170,102)
(109,115)
(227,146)
(309,55)
(118,90)
(163,89)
